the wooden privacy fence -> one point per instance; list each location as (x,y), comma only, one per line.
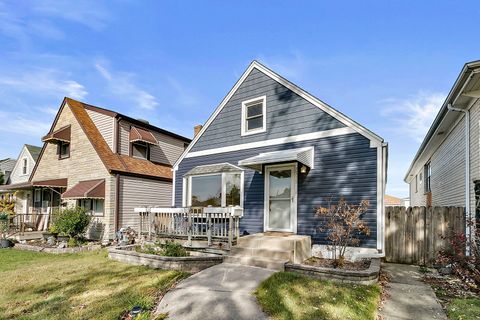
(414,235)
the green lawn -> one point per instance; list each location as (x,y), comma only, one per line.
(464,309)
(75,286)
(292,296)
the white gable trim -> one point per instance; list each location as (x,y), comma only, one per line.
(18,163)
(320,104)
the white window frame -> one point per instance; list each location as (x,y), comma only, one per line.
(187,187)
(244,126)
(25,161)
(93,212)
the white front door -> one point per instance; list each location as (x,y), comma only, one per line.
(281,198)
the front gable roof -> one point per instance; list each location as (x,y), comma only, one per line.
(294,88)
(113,162)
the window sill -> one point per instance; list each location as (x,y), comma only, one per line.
(248,133)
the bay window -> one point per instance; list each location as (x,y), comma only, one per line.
(217,189)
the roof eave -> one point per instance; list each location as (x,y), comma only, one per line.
(454,91)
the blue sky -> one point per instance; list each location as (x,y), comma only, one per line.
(386,64)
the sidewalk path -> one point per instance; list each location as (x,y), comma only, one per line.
(220,292)
(409,297)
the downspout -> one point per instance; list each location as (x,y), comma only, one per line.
(117,202)
(467,169)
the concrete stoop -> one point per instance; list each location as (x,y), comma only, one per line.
(270,250)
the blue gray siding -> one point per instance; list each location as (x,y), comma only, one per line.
(344,165)
(287,115)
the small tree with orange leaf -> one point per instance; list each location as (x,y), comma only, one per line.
(344,226)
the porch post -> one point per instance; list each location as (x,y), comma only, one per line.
(209,229)
(189,228)
(230,231)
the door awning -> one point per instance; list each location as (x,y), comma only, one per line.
(213,168)
(303,155)
(54,183)
(138,134)
(62,134)
(90,189)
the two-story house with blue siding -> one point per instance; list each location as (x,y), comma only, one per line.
(279,153)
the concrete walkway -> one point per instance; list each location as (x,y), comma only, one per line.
(220,292)
(409,297)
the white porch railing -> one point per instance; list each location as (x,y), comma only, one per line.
(210,223)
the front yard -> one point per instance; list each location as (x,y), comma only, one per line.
(76,286)
(288,296)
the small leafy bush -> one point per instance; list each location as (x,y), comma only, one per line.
(167,249)
(173,249)
(72,222)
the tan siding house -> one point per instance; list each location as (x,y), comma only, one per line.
(446,168)
(87,160)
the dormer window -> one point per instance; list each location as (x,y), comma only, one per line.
(254,116)
(141,141)
(141,150)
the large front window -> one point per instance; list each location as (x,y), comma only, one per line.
(216,190)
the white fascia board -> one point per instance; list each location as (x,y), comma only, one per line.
(272,142)
(320,104)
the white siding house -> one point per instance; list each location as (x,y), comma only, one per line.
(446,167)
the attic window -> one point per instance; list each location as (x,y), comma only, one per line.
(63,149)
(254,116)
(24,166)
(140,150)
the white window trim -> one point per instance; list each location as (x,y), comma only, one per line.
(27,166)
(246,132)
(187,187)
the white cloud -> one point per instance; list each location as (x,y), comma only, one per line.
(123,84)
(415,114)
(47,82)
(17,123)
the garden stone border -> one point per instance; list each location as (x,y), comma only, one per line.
(368,276)
(28,247)
(192,264)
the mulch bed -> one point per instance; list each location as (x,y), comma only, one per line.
(450,287)
(363,264)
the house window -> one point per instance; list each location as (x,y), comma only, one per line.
(254,116)
(428,174)
(416,183)
(141,150)
(24,166)
(216,190)
(63,149)
(93,206)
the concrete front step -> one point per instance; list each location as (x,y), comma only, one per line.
(266,253)
(262,262)
(293,247)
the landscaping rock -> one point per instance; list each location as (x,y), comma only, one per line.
(51,241)
(445,271)
(62,245)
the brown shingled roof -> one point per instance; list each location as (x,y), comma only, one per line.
(115,162)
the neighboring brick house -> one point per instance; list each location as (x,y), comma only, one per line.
(106,162)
